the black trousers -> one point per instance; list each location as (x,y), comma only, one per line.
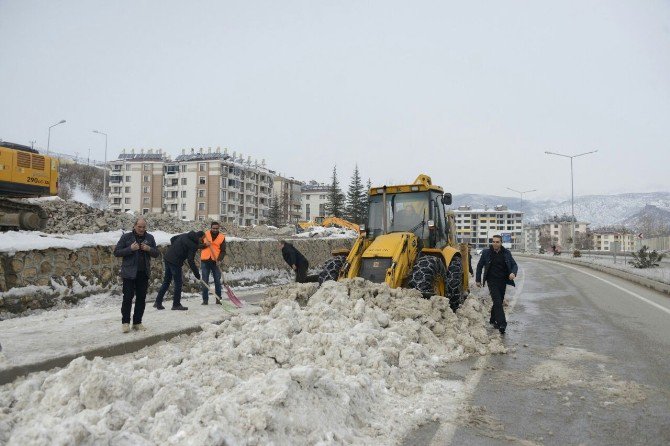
(497,290)
(137,288)
(301,273)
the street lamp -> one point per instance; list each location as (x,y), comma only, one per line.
(62,121)
(523,237)
(572,183)
(104,171)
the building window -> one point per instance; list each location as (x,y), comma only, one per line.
(183,206)
(127,178)
(145,211)
(202,180)
(307,197)
(183,194)
(127,189)
(201,193)
(307,213)
(183,168)
(201,167)
(145,189)
(201,206)
(147,167)
(183,181)
(146,200)
(146,178)
(127,200)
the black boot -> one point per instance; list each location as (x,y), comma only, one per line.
(159,306)
(179,307)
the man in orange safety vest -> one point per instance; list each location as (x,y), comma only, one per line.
(213,253)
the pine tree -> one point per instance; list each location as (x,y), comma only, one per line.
(335,201)
(275,215)
(355,207)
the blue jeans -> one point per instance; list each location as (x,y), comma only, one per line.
(171,272)
(206,268)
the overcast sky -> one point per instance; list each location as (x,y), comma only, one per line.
(469,92)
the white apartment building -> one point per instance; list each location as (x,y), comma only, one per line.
(195,186)
(136,182)
(288,192)
(558,231)
(612,241)
(531,238)
(477,226)
(313,200)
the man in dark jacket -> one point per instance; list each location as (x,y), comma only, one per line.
(500,270)
(183,248)
(136,248)
(295,260)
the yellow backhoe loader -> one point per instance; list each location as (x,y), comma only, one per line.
(409,242)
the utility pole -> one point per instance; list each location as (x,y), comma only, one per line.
(523,236)
(572,186)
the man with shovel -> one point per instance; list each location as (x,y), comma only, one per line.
(213,253)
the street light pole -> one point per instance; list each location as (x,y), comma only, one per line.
(523,237)
(572,186)
(62,121)
(104,171)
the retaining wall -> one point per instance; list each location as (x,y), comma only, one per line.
(41,278)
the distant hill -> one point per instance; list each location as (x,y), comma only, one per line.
(599,210)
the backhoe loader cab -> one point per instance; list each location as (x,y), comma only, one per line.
(409,242)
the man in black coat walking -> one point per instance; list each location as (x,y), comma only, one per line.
(183,248)
(500,270)
(295,260)
(136,248)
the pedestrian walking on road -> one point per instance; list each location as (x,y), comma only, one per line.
(214,252)
(183,248)
(295,260)
(500,270)
(136,247)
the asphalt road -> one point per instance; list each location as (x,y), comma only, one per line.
(590,365)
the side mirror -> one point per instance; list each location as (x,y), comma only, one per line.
(446,199)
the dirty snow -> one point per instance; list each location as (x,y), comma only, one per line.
(354,363)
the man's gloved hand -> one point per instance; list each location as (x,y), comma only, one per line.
(197,275)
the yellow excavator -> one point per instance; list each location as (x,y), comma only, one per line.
(409,242)
(24,172)
(328,222)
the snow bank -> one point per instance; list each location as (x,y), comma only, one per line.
(354,363)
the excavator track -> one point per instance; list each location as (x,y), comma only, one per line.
(17,214)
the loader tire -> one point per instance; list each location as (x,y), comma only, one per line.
(331,269)
(455,283)
(427,273)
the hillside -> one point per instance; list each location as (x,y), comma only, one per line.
(81,182)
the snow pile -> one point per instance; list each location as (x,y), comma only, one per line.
(72,216)
(332,232)
(354,363)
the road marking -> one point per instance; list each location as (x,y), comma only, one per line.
(644,299)
(445,434)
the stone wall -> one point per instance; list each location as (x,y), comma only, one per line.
(42,278)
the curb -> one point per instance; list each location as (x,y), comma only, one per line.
(646,282)
(10,374)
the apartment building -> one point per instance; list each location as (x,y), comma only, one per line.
(531,238)
(136,182)
(288,192)
(477,226)
(612,241)
(558,231)
(314,197)
(195,186)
